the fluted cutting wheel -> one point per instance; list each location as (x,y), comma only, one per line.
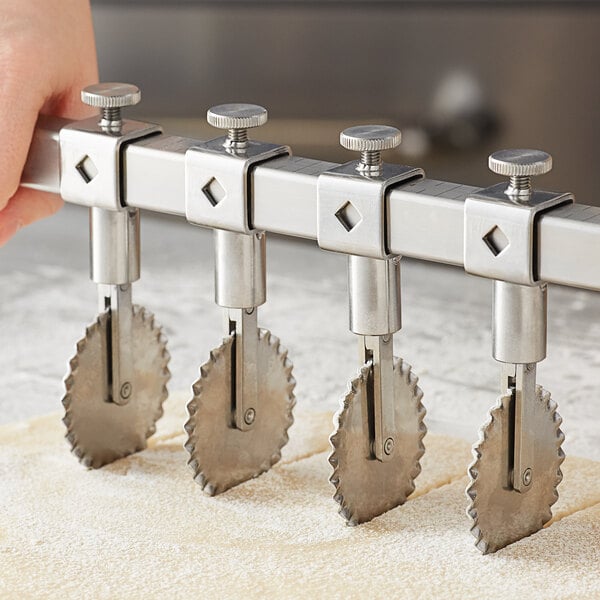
(101,431)
(364,486)
(222,456)
(501,515)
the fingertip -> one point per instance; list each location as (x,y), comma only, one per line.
(8,228)
(53,204)
(29,205)
(24,208)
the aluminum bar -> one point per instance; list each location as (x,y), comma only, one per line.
(425,217)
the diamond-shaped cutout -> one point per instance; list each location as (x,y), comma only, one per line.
(496,240)
(348,216)
(214,192)
(87,169)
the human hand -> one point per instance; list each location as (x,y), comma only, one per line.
(47,55)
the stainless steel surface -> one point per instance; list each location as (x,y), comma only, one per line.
(364,486)
(90,165)
(220,169)
(351,204)
(568,246)
(519,380)
(222,456)
(237,118)
(373,283)
(110,98)
(242,325)
(295,212)
(520,163)
(117,301)
(352,208)
(503,221)
(370,140)
(374,292)
(42,169)
(100,431)
(240,269)
(114,246)
(520,315)
(519,322)
(114,265)
(155,174)
(111,95)
(217,190)
(380,397)
(519,341)
(426,220)
(500,233)
(501,515)
(425,217)
(217,172)
(520,166)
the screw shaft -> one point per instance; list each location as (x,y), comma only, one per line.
(110,119)
(519,185)
(237,139)
(111,115)
(237,136)
(370,163)
(370,158)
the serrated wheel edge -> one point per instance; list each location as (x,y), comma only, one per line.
(161,339)
(473,469)
(73,363)
(339,419)
(194,462)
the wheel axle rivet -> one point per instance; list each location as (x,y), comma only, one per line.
(125,390)
(388,446)
(527,476)
(249,416)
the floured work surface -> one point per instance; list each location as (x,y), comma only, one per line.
(141,528)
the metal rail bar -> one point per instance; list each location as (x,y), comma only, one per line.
(425,216)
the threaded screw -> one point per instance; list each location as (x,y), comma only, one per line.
(520,166)
(370,141)
(110,98)
(237,119)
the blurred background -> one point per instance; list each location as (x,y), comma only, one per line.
(461,79)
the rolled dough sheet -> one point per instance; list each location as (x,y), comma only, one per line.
(141,528)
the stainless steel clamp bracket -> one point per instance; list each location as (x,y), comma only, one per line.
(352,208)
(90,161)
(352,219)
(91,156)
(217,182)
(501,234)
(218,194)
(501,243)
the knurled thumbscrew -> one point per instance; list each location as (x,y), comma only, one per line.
(370,141)
(237,119)
(110,98)
(520,166)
